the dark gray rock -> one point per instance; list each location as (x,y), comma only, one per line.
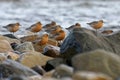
(83,40)
(10,67)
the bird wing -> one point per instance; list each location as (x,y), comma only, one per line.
(92,23)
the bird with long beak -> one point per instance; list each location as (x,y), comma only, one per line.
(35,27)
(14,27)
(96,24)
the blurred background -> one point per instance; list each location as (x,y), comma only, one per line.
(64,12)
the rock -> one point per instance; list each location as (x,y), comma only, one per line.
(98,61)
(10,67)
(12,55)
(32,58)
(48,74)
(2,57)
(13,77)
(83,40)
(52,64)
(5,46)
(39,69)
(48,79)
(90,76)
(10,40)
(26,46)
(36,77)
(10,36)
(63,71)
(52,51)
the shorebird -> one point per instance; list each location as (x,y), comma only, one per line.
(35,27)
(107,31)
(12,27)
(42,41)
(59,36)
(96,24)
(77,25)
(52,24)
(55,29)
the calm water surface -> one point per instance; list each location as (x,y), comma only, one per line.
(64,12)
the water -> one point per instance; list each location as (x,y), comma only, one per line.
(64,12)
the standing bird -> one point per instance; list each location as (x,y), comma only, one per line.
(96,24)
(35,27)
(12,27)
(42,41)
(59,36)
(77,25)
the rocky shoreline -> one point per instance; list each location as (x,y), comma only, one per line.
(81,56)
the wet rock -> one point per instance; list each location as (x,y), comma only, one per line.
(10,67)
(5,46)
(90,76)
(52,64)
(32,58)
(83,40)
(26,46)
(98,61)
(52,51)
(63,71)
(39,69)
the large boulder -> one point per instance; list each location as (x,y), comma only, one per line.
(98,61)
(10,67)
(32,59)
(83,40)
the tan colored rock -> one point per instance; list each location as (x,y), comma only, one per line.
(48,74)
(49,78)
(90,76)
(2,57)
(5,46)
(13,55)
(63,71)
(32,58)
(98,61)
(10,40)
(26,46)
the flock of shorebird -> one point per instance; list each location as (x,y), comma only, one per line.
(55,31)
